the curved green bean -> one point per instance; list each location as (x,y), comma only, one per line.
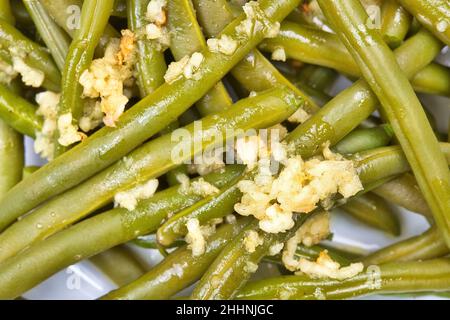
(433,14)
(426,246)
(149,161)
(179,269)
(138,124)
(398,277)
(97,234)
(399,102)
(373,211)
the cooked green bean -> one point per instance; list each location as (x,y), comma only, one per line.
(400,104)
(142,121)
(11,157)
(94,18)
(178,270)
(54,37)
(365,139)
(120,8)
(395,23)
(151,160)
(150,66)
(18,113)
(6,12)
(398,277)
(27,171)
(404,192)
(426,246)
(120,264)
(433,14)
(96,235)
(325,49)
(35,56)
(373,211)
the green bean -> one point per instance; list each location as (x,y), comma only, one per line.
(150,66)
(18,113)
(365,139)
(318,78)
(426,246)
(6,12)
(187,38)
(254,72)
(35,55)
(120,264)
(400,104)
(97,234)
(94,18)
(398,277)
(404,192)
(138,124)
(325,49)
(233,266)
(54,37)
(66,14)
(216,206)
(373,211)
(433,14)
(149,242)
(120,9)
(151,160)
(395,22)
(27,171)
(179,269)
(11,157)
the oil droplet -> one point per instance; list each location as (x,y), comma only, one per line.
(39,226)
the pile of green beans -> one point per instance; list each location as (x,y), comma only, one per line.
(56,215)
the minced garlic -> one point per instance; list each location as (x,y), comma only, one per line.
(156,12)
(257,21)
(156,30)
(207,163)
(224,44)
(279,54)
(108,77)
(92,115)
(314,230)
(7,72)
(30,76)
(187,67)
(129,199)
(198,187)
(252,240)
(300,116)
(195,238)
(325,267)
(68,132)
(250,267)
(48,103)
(276,249)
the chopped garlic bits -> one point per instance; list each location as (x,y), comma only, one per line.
(106,77)
(300,116)
(30,76)
(92,115)
(156,30)
(279,54)
(257,21)
(7,72)
(224,44)
(300,187)
(156,12)
(129,199)
(325,267)
(252,240)
(197,235)
(48,103)
(207,163)
(68,132)
(198,187)
(187,67)
(314,230)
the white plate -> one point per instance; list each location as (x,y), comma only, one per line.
(84,281)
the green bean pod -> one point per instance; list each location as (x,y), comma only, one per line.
(433,14)
(187,38)
(120,9)
(398,277)
(6,12)
(325,49)
(97,234)
(150,66)
(150,161)
(404,192)
(18,113)
(56,40)
(400,104)
(179,270)
(11,157)
(35,55)
(395,23)
(137,125)
(365,139)
(373,211)
(120,265)
(428,245)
